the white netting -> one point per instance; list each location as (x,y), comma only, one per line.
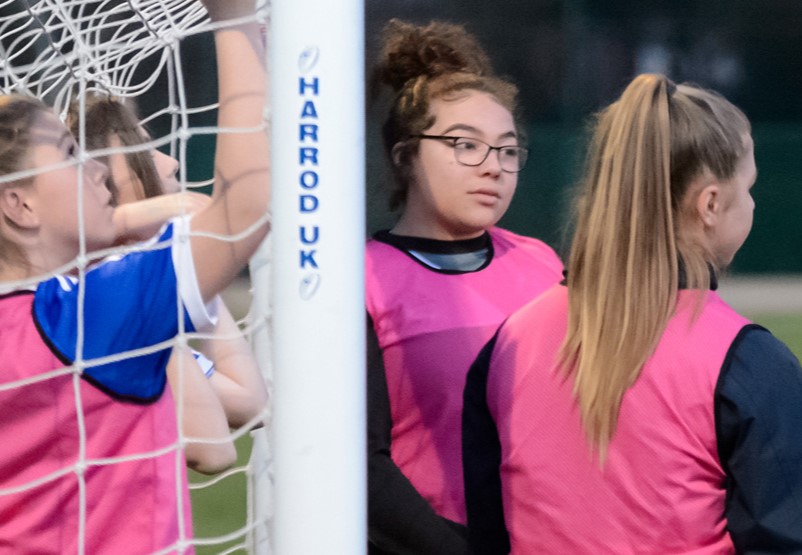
(50,46)
(60,50)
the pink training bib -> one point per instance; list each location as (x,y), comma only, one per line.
(431,326)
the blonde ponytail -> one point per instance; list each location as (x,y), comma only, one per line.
(624,265)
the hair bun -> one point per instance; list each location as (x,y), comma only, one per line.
(411,51)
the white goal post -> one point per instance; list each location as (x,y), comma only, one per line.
(318,427)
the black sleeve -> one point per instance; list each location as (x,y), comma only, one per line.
(758,408)
(481,457)
(399,519)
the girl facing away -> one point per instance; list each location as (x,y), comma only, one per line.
(90,461)
(138,180)
(631,410)
(442,279)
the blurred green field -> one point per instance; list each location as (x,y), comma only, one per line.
(786,327)
(221,509)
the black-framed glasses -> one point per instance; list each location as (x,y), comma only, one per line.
(473,152)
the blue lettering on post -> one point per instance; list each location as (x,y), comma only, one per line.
(304,85)
(307,154)
(309,110)
(308,259)
(309,179)
(309,203)
(308,131)
(315,235)
(309,231)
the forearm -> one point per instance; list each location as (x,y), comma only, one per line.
(242,155)
(237,379)
(138,221)
(201,415)
(242,83)
(401,521)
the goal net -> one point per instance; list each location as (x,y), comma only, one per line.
(303,491)
(63,50)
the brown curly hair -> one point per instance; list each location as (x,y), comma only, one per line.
(422,63)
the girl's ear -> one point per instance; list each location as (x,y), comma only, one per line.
(399,154)
(705,199)
(16,209)
(709,203)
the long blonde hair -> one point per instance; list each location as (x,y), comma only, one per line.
(629,251)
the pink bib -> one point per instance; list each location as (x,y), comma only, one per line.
(661,490)
(431,326)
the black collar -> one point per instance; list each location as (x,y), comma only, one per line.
(434,246)
(683,277)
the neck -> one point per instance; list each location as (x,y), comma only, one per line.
(28,254)
(422,227)
(15,264)
(13,273)
(35,264)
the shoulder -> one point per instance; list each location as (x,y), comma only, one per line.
(381,256)
(759,366)
(375,246)
(760,381)
(547,313)
(154,256)
(505,237)
(54,302)
(506,241)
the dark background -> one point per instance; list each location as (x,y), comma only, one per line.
(571,57)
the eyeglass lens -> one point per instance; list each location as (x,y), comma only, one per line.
(473,152)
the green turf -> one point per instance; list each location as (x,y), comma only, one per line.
(786,327)
(221,509)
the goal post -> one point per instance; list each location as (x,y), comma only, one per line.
(308,470)
(318,425)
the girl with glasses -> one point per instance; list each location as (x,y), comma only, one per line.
(631,410)
(442,279)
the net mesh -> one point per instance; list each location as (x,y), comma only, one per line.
(50,46)
(62,50)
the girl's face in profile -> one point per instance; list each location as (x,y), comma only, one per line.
(56,192)
(129,187)
(738,208)
(167,168)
